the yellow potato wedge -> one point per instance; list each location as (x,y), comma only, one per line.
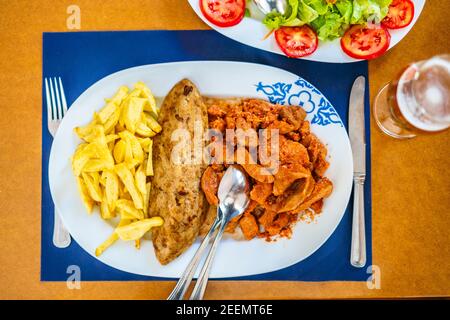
(132,164)
(111,189)
(85,197)
(111,138)
(135,93)
(120,95)
(111,146)
(132,109)
(90,152)
(111,239)
(127,207)
(106,244)
(136,230)
(140,179)
(96,165)
(143,130)
(102,151)
(80,158)
(128,156)
(112,121)
(119,151)
(92,186)
(123,193)
(120,126)
(152,123)
(126,177)
(95,177)
(86,130)
(125,214)
(97,134)
(105,212)
(107,111)
(148,187)
(137,152)
(103,179)
(149,167)
(147,93)
(144,142)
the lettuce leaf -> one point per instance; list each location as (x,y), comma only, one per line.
(320,6)
(345,8)
(274,20)
(365,10)
(329,18)
(329,27)
(306,13)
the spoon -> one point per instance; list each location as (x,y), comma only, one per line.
(233,197)
(267,6)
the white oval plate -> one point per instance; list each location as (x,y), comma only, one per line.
(252,32)
(213,78)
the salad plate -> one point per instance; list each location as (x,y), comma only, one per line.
(251,31)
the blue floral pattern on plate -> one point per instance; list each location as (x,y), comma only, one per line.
(302,93)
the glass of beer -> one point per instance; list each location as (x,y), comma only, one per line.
(418,101)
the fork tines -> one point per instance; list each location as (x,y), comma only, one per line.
(56,99)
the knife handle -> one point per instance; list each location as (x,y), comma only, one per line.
(358,250)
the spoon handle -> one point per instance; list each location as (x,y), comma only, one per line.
(183,283)
(202,280)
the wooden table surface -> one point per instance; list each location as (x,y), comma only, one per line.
(411,179)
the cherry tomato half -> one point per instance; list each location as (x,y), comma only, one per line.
(400,15)
(296,42)
(223,13)
(365,42)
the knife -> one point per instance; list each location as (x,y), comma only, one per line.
(358,143)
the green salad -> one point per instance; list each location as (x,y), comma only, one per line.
(362,25)
(329,18)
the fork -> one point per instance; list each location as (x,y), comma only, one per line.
(56,109)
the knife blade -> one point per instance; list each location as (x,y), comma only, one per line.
(358,143)
(356,125)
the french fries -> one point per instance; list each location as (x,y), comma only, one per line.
(136,230)
(113,165)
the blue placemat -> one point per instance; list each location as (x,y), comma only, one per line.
(82,58)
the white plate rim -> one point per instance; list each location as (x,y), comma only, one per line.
(97,83)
